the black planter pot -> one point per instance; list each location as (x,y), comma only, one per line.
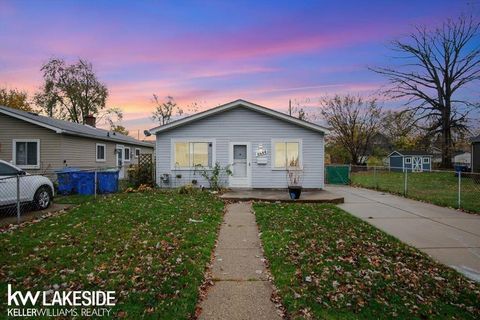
(294,192)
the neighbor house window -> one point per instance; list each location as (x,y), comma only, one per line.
(26,153)
(137,152)
(286,154)
(190,154)
(101,152)
(426,160)
(408,160)
(127,154)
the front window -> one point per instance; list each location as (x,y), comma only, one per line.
(101,154)
(426,160)
(137,152)
(27,153)
(286,154)
(190,154)
(127,154)
(408,160)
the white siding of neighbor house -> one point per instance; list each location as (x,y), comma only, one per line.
(244,125)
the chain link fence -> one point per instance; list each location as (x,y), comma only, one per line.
(460,190)
(26,195)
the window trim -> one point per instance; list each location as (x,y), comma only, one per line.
(97,159)
(14,153)
(408,160)
(300,154)
(129,154)
(190,140)
(137,155)
(427,160)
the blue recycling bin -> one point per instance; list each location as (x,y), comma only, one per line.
(85,182)
(67,180)
(107,181)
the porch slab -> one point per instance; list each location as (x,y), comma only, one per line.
(307,196)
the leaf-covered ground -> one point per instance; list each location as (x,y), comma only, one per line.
(329,264)
(150,248)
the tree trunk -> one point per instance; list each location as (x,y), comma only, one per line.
(446,139)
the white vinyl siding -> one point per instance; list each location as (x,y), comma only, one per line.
(26,153)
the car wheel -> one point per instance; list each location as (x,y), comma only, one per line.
(43,198)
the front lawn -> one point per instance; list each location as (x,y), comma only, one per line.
(329,264)
(440,188)
(150,248)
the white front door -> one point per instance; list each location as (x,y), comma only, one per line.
(120,161)
(240,162)
(417,164)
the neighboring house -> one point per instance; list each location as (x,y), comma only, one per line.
(412,161)
(462,158)
(258,144)
(42,144)
(476,154)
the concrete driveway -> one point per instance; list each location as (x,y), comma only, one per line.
(449,236)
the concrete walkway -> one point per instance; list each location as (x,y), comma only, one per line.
(241,289)
(449,236)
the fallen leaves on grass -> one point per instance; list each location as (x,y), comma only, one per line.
(324,259)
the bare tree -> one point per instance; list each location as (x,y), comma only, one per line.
(71,92)
(354,123)
(165,110)
(438,65)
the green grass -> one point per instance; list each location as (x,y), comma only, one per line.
(440,188)
(328,264)
(141,245)
(74,199)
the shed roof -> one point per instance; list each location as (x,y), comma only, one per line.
(236,104)
(411,153)
(71,128)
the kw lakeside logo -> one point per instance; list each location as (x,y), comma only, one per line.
(59,303)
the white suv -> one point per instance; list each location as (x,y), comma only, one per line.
(33,189)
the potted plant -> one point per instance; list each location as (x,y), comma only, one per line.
(294,178)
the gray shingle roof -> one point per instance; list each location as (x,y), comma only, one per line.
(72,128)
(414,153)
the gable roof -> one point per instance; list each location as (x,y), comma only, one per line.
(236,104)
(475,139)
(411,153)
(71,128)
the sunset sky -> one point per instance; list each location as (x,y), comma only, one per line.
(212,52)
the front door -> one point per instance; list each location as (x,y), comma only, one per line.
(240,160)
(120,160)
(417,164)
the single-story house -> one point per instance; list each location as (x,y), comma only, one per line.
(476,154)
(42,144)
(411,161)
(259,145)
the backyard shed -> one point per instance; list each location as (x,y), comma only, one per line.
(412,161)
(476,154)
(259,145)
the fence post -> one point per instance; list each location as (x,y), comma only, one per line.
(375,177)
(405,187)
(95,185)
(459,189)
(18,199)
